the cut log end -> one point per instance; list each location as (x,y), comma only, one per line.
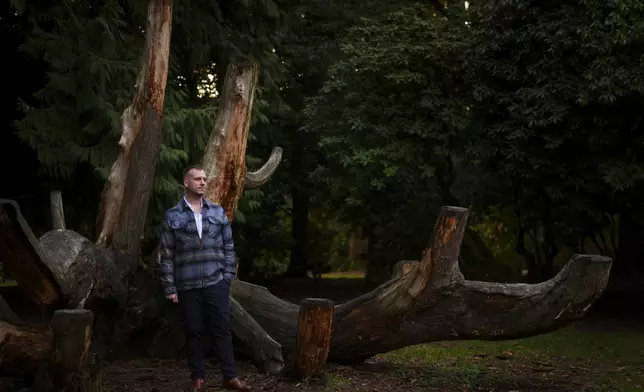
(314,331)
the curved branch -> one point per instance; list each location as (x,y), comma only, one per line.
(518,310)
(260,177)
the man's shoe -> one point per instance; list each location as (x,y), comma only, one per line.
(236,385)
(196,385)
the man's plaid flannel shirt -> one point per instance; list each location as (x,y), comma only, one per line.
(189,262)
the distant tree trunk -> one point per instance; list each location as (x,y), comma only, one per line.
(299,262)
(628,273)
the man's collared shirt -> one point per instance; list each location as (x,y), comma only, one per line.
(198,219)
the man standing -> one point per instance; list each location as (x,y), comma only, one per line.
(196,268)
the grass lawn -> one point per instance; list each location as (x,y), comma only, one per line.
(575,358)
(8,283)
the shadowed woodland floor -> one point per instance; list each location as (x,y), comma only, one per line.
(601,353)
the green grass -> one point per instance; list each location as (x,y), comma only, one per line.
(8,283)
(602,360)
(344,275)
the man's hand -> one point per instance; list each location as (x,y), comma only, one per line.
(173,298)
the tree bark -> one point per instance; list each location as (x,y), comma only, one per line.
(262,175)
(69,368)
(126,195)
(225,156)
(433,302)
(22,255)
(23,349)
(314,331)
(57,211)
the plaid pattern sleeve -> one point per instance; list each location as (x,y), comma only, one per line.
(165,267)
(229,246)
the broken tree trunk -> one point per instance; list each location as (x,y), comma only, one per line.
(126,195)
(314,331)
(225,156)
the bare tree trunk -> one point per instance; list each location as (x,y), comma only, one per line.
(127,193)
(225,156)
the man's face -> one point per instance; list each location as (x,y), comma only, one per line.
(195,182)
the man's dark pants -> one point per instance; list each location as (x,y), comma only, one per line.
(208,307)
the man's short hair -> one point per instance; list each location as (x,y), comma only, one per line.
(187,170)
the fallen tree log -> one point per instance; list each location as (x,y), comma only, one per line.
(427,301)
(433,302)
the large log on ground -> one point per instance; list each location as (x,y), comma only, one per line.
(314,331)
(426,301)
(432,301)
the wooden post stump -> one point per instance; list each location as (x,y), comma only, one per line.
(70,367)
(314,330)
(57,211)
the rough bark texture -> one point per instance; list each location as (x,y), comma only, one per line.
(21,254)
(263,349)
(22,349)
(68,369)
(260,177)
(314,331)
(225,157)
(433,302)
(125,198)
(57,211)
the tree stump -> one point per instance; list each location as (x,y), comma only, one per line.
(69,368)
(314,330)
